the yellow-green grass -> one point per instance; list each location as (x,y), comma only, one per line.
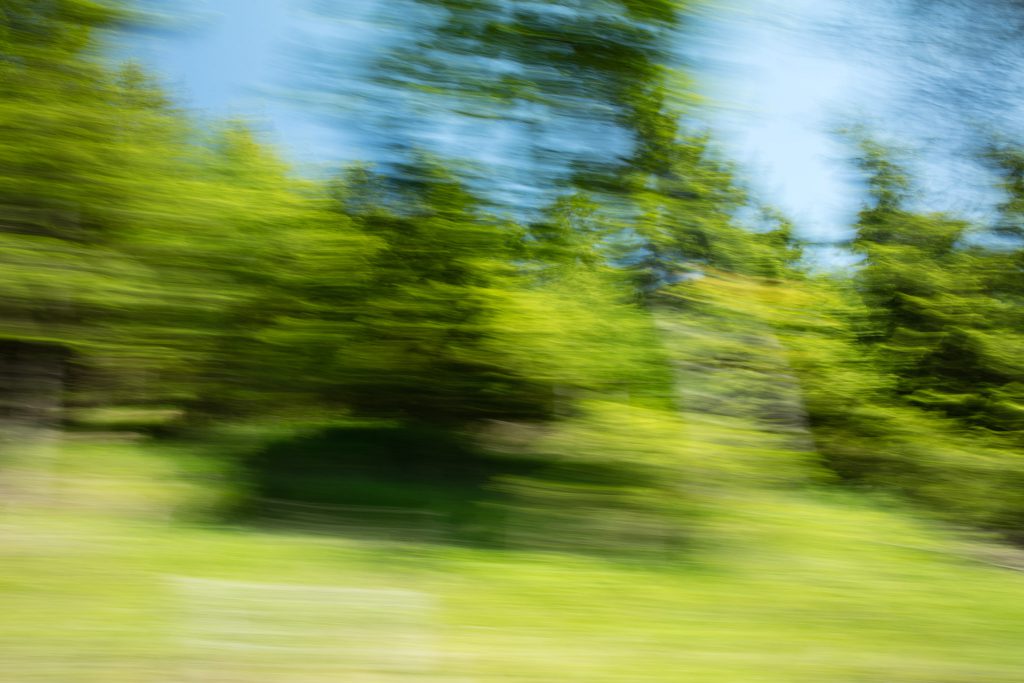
(780,587)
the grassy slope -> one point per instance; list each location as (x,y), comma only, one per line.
(789,587)
(785,584)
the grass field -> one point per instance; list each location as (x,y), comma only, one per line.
(103,579)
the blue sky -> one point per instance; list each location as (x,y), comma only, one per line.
(775,87)
(777,93)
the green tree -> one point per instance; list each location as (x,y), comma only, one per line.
(58,187)
(940,316)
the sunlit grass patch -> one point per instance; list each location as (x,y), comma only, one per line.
(785,587)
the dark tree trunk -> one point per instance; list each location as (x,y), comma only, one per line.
(32,379)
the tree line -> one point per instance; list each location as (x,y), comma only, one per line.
(150,259)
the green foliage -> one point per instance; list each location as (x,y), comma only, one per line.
(187,267)
(688,220)
(942,320)
(429,305)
